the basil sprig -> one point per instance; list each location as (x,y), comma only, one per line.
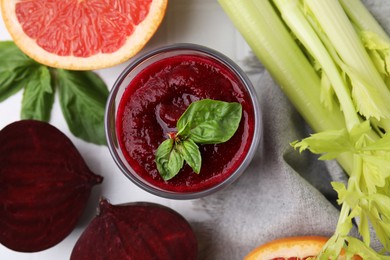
(204,122)
(82,94)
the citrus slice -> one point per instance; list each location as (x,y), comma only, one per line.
(290,248)
(82,34)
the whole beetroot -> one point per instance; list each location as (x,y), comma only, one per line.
(139,231)
(44,186)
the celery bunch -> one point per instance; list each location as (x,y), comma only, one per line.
(332,60)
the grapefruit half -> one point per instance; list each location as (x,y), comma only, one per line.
(82,34)
(290,248)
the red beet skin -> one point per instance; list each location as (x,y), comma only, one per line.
(139,231)
(44,186)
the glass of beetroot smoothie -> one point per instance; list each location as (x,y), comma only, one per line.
(150,96)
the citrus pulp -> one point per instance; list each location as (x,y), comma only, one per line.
(82,34)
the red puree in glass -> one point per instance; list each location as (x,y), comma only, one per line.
(154,101)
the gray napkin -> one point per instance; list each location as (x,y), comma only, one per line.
(282,193)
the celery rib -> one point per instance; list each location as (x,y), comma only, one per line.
(362,18)
(370,91)
(258,23)
(376,40)
(293,16)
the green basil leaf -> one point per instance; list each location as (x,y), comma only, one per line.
(14,69)
(184,132)
(83,97)
(191,154)
(207,122)
(168,159)
(211,121)
(38,97)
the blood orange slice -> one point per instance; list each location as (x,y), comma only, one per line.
(290,248)
(82,34)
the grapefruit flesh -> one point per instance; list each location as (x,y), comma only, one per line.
(82,34)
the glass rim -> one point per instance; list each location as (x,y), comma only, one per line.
(110,110)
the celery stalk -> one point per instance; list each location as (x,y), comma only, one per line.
(258,22)
(292,14)
(362,18)
(274,49)
(374,38)
(369,90)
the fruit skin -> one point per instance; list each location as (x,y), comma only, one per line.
(288,247)
(300,247)
(44,186)
(138,230)
(134,43)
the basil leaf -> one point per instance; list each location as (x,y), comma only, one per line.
(211,121)
(191,154)
(83,97)
(38,97)
(14,69)
(169,161)
(206,122)
(184,132)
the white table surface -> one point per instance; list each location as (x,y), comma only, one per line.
(194,21)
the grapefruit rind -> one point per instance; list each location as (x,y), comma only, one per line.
(288,247)
(134,43)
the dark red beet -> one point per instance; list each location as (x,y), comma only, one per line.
(140,231)
(44,186)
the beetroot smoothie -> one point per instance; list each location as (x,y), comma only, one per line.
(156,98)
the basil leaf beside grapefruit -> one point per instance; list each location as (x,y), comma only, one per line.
(14,69)
(83,96)
(38,97)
